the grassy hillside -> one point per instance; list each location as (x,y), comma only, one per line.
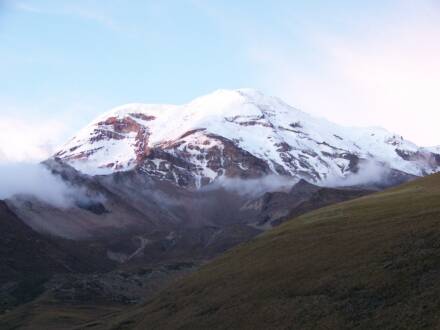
(369,263)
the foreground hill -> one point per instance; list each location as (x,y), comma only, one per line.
(369,263)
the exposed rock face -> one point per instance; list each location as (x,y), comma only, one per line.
(197,158)
(236,134)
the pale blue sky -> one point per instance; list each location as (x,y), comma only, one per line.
(354,62)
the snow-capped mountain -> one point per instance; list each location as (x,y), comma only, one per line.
(235,133)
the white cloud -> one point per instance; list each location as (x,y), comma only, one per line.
(369,172)
(38,181)
(28,139)
(253,187)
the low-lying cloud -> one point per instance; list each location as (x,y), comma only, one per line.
(254,187)
(28,140)
(38,181)
(369,172)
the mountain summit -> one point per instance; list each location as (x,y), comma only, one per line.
(236,134)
